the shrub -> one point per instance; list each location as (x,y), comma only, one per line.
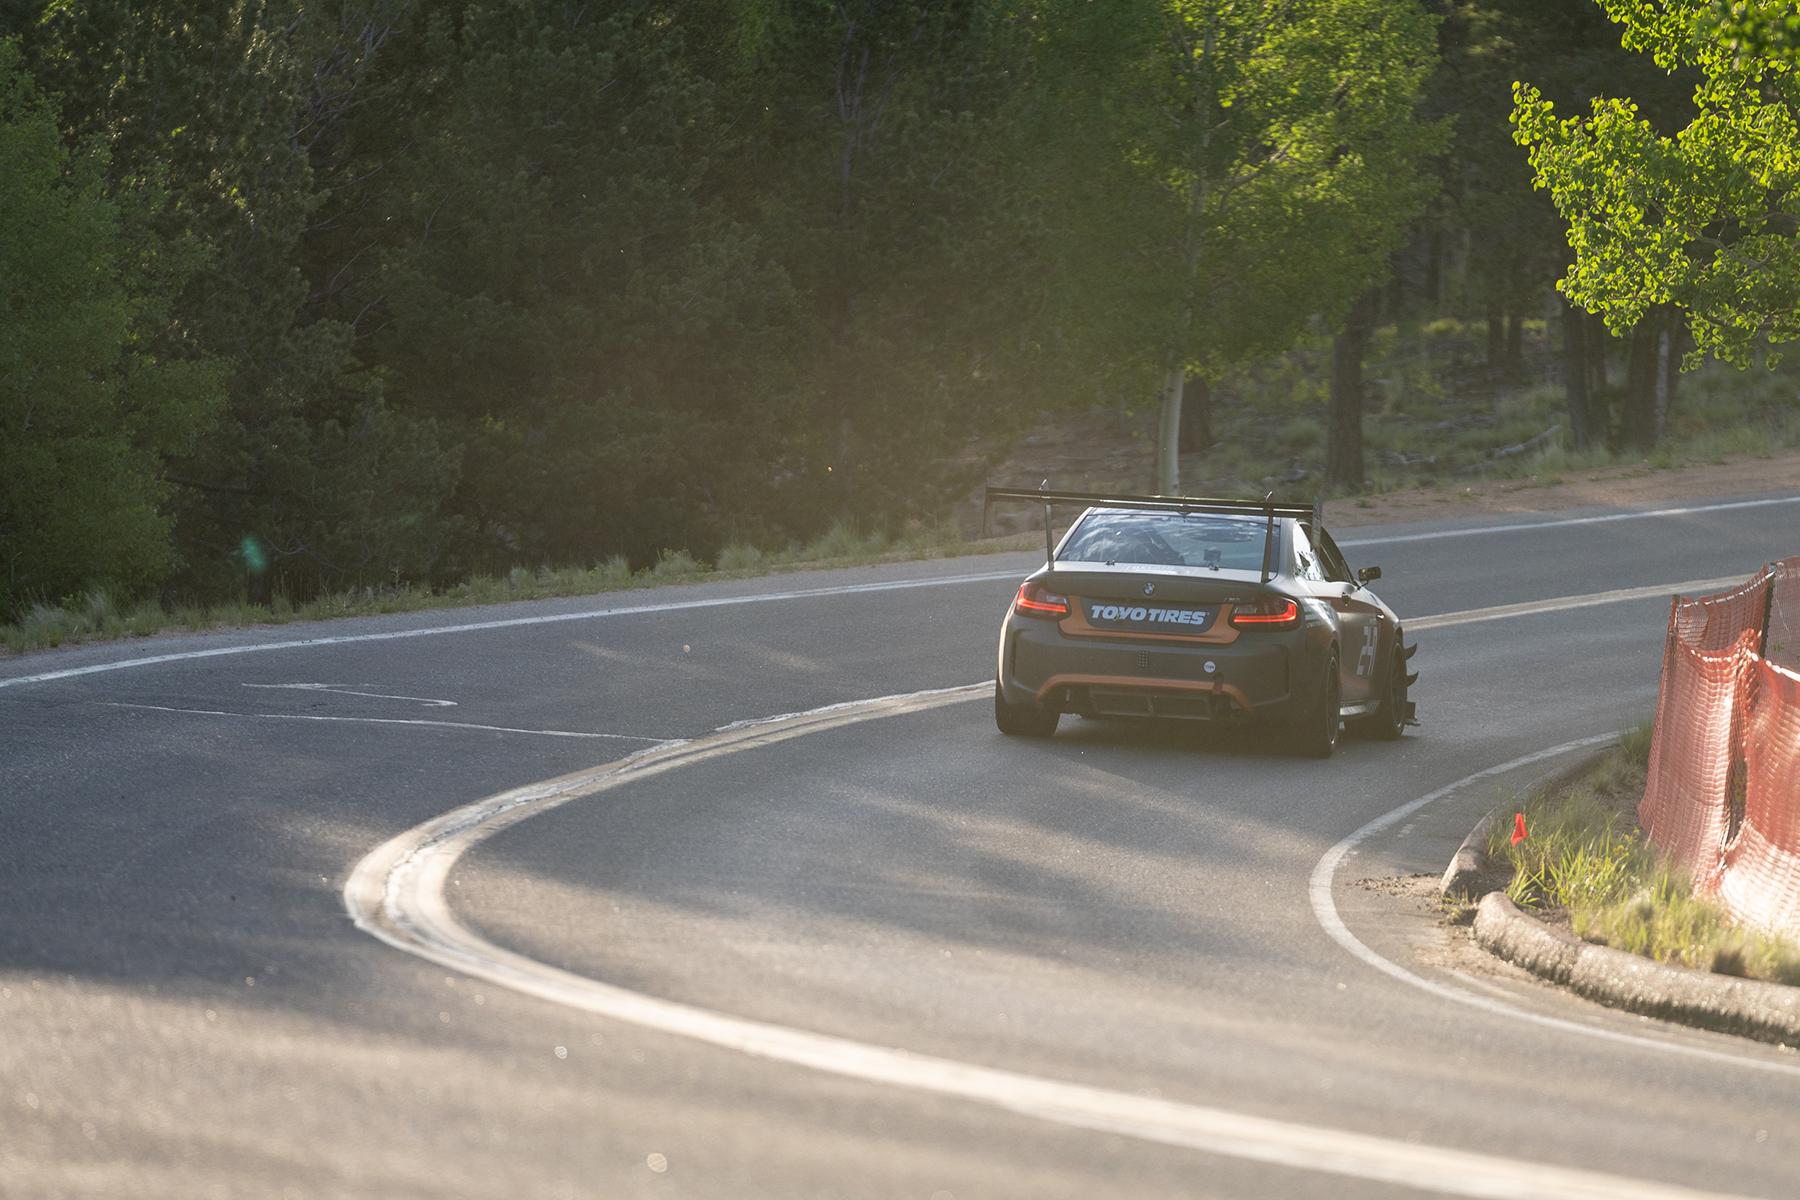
(675,564)
(739,556)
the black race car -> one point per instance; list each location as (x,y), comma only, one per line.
(1194,609)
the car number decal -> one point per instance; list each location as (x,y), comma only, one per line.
(1365,662)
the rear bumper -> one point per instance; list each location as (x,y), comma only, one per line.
(1253,675)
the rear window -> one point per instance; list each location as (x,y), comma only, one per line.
(1168,540)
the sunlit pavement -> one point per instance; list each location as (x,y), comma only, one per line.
(189,1010)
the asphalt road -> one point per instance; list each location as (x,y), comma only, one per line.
(186,1008)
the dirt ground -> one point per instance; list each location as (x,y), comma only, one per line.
(1621,486)
(1108,451)
(1611,486)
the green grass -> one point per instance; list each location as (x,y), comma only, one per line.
(97,617)
(1584,857)
(740,556)
(675,565)
(92,615)
(1304,435)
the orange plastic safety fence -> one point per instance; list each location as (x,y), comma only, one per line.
(1761,880)
(1723,798)
(1716,622)
(1782,646)
(1685,811)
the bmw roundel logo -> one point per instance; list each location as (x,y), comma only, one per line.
(1149,589)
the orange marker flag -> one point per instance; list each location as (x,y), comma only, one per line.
(1518,828)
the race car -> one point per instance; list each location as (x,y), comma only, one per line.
(1199,610)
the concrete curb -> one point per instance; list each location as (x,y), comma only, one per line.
(1471,874)
(1768,1012)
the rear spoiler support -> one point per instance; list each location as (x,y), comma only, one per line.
(1266,507)
(1268,538)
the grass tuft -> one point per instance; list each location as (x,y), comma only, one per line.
(740,556)
(1585,857)
(675,564)
(843,540)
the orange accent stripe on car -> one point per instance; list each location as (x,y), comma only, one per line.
(1139,683)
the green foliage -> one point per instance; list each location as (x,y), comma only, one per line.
(739,556)
(94,615)
(895,156)
(675,564)
(1754,28)
(1580,853)
(87,406)
(1703,218)
(1516,242)
(1664,920)
(843,540)
(1229,171)
(429,289)
(225,192)
(1302,434)
(564,290)
(1584,855)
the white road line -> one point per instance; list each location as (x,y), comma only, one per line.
(1439,621)
(562,733)
(852,589)
(1531,608)
(805,593)
(348,689)
(1326,913)
(1605,519)
(397,894)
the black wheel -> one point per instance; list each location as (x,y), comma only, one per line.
(1316,730)
(1388,723)
(1019,720)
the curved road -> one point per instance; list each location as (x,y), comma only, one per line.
(1128,962)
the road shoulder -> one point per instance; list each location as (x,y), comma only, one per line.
(1768,1012)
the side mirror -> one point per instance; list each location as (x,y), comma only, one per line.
(1368,575)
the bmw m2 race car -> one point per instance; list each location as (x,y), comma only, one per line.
(1208,610)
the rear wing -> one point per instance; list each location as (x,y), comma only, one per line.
(1266,508)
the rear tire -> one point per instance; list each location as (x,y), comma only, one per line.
(1018,720)
(1316,732)
(1388,723)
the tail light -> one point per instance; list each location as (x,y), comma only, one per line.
(1035,601)
(1269,612)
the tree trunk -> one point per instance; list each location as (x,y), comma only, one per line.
(1434,268)
(1638,419)
(1496,339)
(1344,440)
(1598,341)
(1512,367)
(1169,424)
(1575,376)
(1196,416)
(1168,431)
(1670,348)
